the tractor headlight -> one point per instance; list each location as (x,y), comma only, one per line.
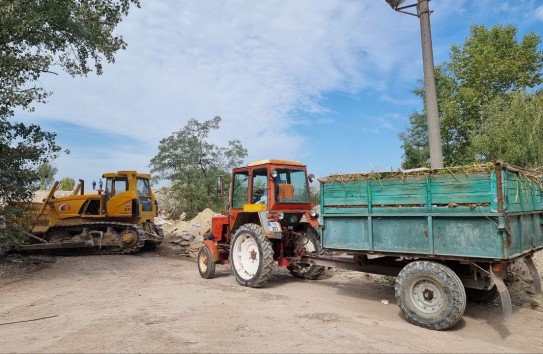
(313,213)
(280,215)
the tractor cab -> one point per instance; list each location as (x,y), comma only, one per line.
(273,184)
(271,193)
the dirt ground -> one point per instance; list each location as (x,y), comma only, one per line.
(157,302)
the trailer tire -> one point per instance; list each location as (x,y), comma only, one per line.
(206,266)
(481,296)
(310,243)
(430,295)
(251,256)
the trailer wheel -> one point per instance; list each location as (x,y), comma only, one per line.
(251,255)
(481,296)
(430,295)
(310,243)
(206,266)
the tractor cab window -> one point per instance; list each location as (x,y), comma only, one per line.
(291,186)
(240,188)
(260,186)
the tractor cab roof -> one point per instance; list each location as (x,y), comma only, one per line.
(275,162)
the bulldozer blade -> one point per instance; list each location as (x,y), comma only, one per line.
(55,245)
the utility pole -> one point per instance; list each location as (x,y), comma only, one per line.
(430,95)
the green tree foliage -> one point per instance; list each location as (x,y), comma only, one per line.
(67,184)
(415,142)
(22,150)
(38,37)
(39,34)
(192,165)
(46,174)
(315,193)
(512,130)
(489,65)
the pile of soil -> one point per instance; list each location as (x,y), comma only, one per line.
(185,237)
(521,285)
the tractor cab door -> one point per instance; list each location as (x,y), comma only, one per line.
(260,188)
(250,187)
(240,190)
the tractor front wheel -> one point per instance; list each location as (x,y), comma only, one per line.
(206,266)
(251,256)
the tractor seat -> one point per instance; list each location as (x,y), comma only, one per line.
(286,191)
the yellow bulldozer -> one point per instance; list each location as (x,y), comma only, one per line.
(116,220)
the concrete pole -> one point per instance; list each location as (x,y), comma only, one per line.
(434,133)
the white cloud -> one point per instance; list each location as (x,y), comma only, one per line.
(539,13)
(252,63)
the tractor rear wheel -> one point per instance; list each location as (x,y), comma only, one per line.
(310,243)
(206,266)
(430,295)
(251,256)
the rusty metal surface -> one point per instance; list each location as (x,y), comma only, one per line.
(384,265)
(535,275)
(507,306)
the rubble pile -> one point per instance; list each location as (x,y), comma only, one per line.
(185,237)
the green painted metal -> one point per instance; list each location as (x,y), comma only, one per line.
(452,214)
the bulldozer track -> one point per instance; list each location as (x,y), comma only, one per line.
(97,249)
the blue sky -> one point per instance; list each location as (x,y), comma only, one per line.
(328,83)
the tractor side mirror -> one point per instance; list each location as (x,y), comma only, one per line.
(311,178)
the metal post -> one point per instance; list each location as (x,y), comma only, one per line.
(434,133)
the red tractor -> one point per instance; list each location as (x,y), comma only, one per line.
(270,220)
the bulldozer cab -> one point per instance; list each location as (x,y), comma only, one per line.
(120,198)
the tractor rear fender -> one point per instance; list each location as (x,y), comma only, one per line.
(213,249)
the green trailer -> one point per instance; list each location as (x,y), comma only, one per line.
(445,234)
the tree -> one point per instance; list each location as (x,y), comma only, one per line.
(192,165)
(22,149)
(67,184)
(512,130)
(39,34)
(46,174)
(415,142)
(37,37)
(489,64)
